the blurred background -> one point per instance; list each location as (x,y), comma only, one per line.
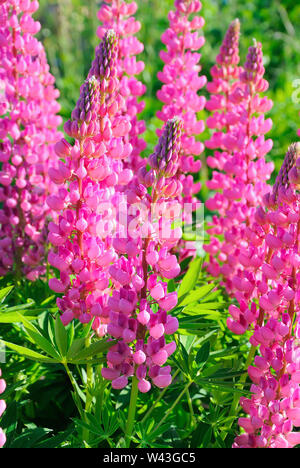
(69,35)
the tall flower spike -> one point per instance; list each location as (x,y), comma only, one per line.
(104,65)
(91,170)
(260,260)
(28,130)
(241,171)
(179,94)
(145,260)
(274,408)
(118,15)
(228,56)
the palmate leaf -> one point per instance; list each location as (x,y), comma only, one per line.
(9,421)
(30,354)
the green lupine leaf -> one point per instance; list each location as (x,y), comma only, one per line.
(71,334)
(48,300)
(55,441)
(95,348)
(221,374)
(222,386)
(22,307)
(29,438)
(42,342)
(29,353)
(185,357)
(99,360)
(13,317)
(203,354)
(77,345)
(197,295)
(61,336)
(4,292)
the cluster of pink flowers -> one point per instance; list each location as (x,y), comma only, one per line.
(2,409)
(86,196)
(274,409)
(180,97)
(104,274)
(28,132)
(240,170)
(118,15)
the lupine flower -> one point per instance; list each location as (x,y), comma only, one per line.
(181,82)
(118,15)
(242,172)
(87,178)
(2,409)
(274,409)
(28,133)
(139,305)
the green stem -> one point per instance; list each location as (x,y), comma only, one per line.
(131,411)
(76,396)
(189,400)
(173,406)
